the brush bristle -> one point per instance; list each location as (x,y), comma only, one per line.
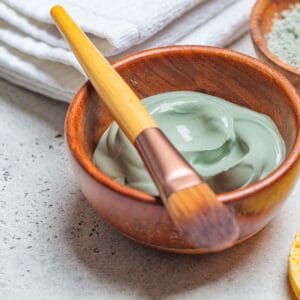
(202,219)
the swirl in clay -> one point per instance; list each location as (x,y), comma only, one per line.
(229,145)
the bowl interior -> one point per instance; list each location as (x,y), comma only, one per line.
(226,74)
(263,15)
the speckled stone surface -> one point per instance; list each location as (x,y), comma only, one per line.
(53,245)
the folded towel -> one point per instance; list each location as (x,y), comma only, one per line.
(38,47)
(33,55)
(117,25)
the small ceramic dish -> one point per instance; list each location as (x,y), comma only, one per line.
(261,23)
(230,75)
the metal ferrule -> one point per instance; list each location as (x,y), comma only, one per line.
(168,169)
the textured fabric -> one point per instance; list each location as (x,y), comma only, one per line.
(33,55)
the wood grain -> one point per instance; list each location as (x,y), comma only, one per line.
(230,75)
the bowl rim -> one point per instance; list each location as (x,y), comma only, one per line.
(259,38)
(228,197)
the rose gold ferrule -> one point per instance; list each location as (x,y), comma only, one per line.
(168,169)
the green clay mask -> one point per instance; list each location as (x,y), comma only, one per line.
(229,145)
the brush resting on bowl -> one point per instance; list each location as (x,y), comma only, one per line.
(229,145)
(226,74)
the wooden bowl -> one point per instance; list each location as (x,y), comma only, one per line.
(261,23)
(233,76)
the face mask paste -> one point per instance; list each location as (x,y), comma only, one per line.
(229,145)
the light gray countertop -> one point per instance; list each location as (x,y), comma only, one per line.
(53,245)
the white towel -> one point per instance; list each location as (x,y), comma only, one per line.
(33,55)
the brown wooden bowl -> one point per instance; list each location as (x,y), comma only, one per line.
(261,23)
(233,76)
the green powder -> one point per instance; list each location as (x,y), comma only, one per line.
(284,39)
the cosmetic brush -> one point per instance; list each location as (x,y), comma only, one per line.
(194,208)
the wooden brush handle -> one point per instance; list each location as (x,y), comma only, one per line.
(118,97)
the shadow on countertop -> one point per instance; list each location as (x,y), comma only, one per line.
(152,274)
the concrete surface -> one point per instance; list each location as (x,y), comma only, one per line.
(53,245)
